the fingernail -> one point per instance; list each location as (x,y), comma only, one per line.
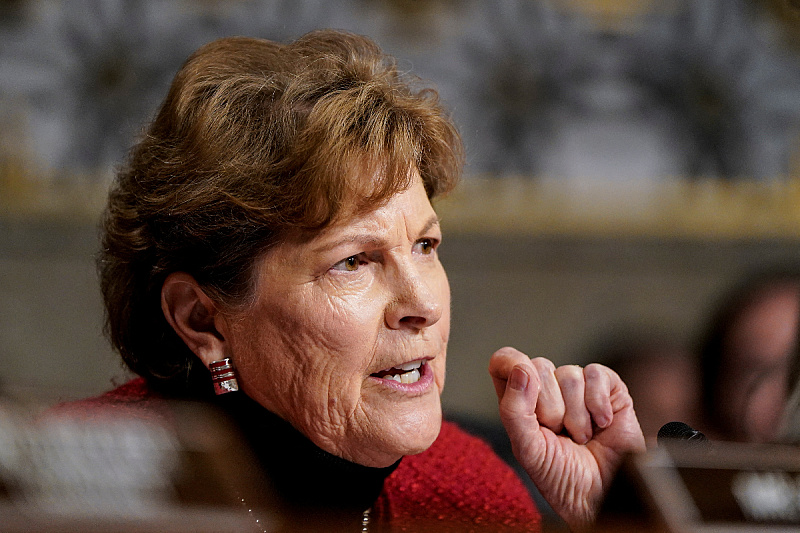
(602,421)
(518,379)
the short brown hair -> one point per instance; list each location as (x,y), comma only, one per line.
(255,141)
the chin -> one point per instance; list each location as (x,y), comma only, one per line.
(409,435)
(418,433)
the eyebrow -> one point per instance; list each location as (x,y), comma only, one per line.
(433,221)
(366,238)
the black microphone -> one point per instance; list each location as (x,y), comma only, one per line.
(678,431)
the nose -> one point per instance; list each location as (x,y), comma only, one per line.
(415,303)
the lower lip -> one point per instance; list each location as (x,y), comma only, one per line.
(424,382)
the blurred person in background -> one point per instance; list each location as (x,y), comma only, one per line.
(746,354)
(735,385)
(272,239)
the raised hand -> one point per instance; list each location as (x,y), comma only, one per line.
(569,428)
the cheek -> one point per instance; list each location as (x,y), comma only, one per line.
(347,325)
(446,310)
(442,328)
(266,360)
(764,408)
(300,353)
(444,298)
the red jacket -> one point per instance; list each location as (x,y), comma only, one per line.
(458,482)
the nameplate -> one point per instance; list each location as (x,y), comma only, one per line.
(708,488)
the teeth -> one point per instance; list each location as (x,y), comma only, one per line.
(410,366)
(409,377)
(405,373)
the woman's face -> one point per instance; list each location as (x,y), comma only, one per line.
(348,332)
(761,344)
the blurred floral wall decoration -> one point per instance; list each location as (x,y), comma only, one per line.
(674,88)
(547,89)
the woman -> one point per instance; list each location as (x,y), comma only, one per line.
(273,233)
(746,354)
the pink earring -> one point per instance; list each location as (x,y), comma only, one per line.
(223,376)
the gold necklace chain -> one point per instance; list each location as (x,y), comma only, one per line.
(365,518)
(253,515)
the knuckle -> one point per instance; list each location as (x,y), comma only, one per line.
(543,364)
(506,351)
(570,376)
(596,370)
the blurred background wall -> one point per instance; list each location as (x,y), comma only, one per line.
(627,162)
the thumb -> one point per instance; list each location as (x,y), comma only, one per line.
(518,413)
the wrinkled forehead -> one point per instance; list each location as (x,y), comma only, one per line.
(408,211)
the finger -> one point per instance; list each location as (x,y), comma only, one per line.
(577,419)
(518,410)
(601,382)
(550,403)
(500,366)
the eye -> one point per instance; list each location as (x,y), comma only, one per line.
(349,264)
(426,246)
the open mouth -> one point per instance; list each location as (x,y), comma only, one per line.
(405,373)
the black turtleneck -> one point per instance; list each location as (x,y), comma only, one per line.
(308,480)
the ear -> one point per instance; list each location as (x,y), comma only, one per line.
(193,316)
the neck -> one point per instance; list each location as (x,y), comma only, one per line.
(306,477)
